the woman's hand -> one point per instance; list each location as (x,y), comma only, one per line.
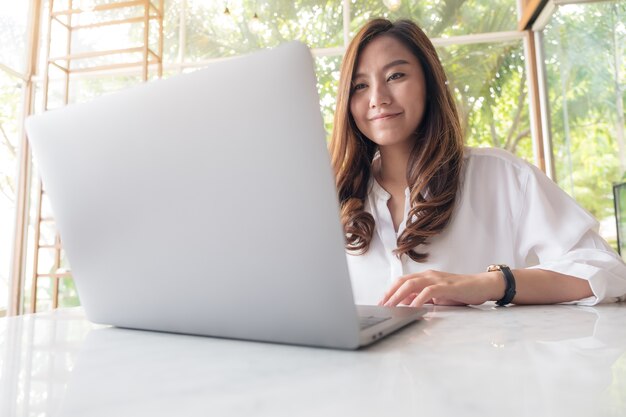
(444,288)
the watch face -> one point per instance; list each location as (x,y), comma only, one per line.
(492,268)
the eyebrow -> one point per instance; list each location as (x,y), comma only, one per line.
(385,67)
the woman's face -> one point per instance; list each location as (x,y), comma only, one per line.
(388,92)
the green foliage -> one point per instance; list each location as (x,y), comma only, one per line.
(584,58)
(211,33)
(586,70)
(489,83)
(327,69)
(68,295)
(441,18)
(488,79)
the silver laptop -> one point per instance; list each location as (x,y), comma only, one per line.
(205,204)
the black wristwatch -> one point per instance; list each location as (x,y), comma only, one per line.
(509,293)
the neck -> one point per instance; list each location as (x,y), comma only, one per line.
(393,165)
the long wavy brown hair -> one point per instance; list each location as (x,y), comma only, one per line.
(434,167)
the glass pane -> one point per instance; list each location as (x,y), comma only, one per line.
(87,88)
(68,296)
(488,81)
(10,114)
(43,33)
(170,73)
(171,30)
(47,233)
(46,264)
(105,38)
(213,33)
(46,209)
(585,61)
(327,70)
(56,89)
(30,237)
(127,31)
(13,19)
(440,18)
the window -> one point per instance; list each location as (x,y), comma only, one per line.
(487,75)
(489,83)
(211,33)
(587,103)
(10,109)
(13,16)
(441,18)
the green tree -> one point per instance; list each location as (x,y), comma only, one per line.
(488,79)
(585,67)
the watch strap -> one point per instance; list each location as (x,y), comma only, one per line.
(509,292)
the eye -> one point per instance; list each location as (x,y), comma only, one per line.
(359,86)
(395,76)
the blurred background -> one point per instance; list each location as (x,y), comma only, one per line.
(544,80)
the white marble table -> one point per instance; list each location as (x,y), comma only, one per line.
(458,361)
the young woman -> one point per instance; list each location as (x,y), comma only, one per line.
(427,220)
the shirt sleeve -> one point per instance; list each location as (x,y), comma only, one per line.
(562,237)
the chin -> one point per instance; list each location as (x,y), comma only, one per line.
(387,141)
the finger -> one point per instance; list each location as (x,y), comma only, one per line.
(412,286)
(396,285)
(428,294)
(391,291)
(408,299)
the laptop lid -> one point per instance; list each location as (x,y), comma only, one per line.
(204,204)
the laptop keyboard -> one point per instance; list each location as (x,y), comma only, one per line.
(369,321)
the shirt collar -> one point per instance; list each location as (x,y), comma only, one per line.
(378,190)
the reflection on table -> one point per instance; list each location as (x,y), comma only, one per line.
(518,361)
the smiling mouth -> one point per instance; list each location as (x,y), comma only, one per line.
(383,117)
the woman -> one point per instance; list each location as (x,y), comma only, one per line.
(424,217)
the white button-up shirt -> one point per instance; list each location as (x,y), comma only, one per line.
(507,212)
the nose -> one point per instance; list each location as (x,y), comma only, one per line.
(379,95)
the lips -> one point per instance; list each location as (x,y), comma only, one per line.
(384,116)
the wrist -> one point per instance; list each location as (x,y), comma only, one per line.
(509,280)
(497,285)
